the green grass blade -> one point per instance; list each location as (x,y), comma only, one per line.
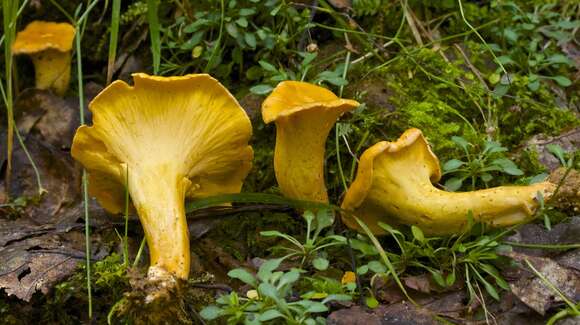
(85,187)
(115,17)
(257,198)
(218,41)
(9,14)
(154,33)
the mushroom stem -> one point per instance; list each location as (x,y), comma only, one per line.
(158,194)
(299,154)
(441,212)
(52,69)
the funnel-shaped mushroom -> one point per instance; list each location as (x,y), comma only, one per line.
(176,137)
(304,114)
(394,185)
(49,45)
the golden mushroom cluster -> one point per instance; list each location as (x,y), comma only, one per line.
(394,182)
(166,139)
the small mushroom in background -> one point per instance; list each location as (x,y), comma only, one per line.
(304,115)
(394,185)
(49,45)
(176,137)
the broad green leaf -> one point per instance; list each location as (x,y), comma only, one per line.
(211,312)
(267,268)
(460,142)
(242,22)
(243,275)
(267,66)
(377,267)
(534,85)
(337,297)
(289,277)
(438,278)
(316,307)
(507,166)
(453,184)
(562,81)
(261,89)
(268,290)
(232,30)
(247,11)
(320,263)
(362,270)
(511,35)
(452,164)
(500,90)
(324,219)
(450,279)
(538,178)
(269,315)
(250,40)
(559,59)
(486,178)
(371,302)
(418,234)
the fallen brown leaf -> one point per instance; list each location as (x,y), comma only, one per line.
(534,291)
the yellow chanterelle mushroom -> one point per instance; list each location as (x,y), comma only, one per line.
(394,185)
(172,138)
(49,45)
(304,114)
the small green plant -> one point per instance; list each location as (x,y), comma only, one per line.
(272,75)
(470,256)
(311,250)
(560,153)
(477,166)
(530,45)
(270,301)
(232,36)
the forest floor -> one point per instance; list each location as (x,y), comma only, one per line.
(493,86)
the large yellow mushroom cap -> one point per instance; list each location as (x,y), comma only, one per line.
(171,137)
(41,35)
(191,122)
(304,114)
(394,185)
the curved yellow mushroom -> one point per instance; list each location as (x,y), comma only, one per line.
(49,45)
(394,185)
(304,115)
(176,137)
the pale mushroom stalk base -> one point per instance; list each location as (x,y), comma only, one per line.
(52,69)
(299,156)
(158,194)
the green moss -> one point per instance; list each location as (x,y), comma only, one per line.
(526,113)
(439,122)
